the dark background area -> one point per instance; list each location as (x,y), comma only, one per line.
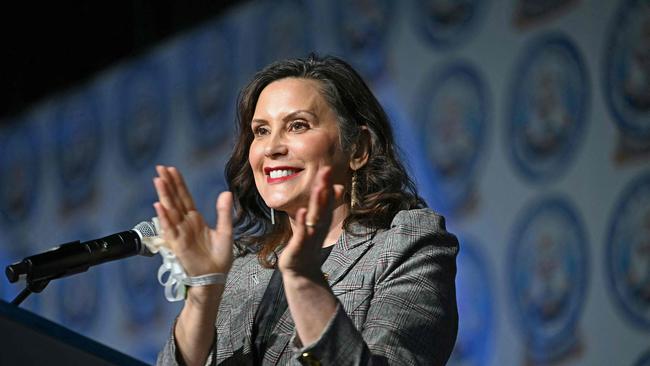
(49,47)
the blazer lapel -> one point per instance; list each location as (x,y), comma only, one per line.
(346,252)
(282,332)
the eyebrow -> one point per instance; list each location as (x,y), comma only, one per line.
(288,116)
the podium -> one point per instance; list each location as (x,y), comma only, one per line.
(29,339)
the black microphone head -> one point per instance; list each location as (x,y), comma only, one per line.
(146,229)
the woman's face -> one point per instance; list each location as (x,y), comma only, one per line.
(295,133)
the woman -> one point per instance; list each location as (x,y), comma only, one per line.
(336,262)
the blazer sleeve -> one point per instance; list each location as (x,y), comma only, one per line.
(412,318)
(169,355)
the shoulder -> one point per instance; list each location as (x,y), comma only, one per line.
(423,218)
(421,222)
(415,230)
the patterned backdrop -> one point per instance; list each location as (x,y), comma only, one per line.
(525,122)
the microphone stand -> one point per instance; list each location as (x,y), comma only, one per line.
(32,287)
(38,284)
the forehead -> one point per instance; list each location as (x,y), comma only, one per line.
(289,94)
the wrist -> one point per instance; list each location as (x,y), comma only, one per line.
(208,295)
(300,279)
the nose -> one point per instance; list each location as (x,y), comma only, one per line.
(275,146)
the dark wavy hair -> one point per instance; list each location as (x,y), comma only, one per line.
(383,186)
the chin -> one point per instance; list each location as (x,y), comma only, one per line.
(288,206)
(276,204)
(281,206)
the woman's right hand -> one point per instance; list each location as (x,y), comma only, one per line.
(200,249)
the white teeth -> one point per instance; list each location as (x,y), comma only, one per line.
(281,173)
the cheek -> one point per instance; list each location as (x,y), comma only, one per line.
(255,154)
(255,159)
(317,149)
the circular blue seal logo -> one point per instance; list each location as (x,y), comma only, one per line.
(144,115)
(79,296)
(19,174)
(446,23)
(138,274)
(627,252)
(548,106)
(362,28)
(280,37)
(548,260)
(211,79)
(77,146)
(475,297)
(453,117)
(627,69)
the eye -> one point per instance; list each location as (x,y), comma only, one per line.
(298,126)
(260,130)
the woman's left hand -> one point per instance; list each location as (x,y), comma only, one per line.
(301,256)
(309,297)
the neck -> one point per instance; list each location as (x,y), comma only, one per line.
(335,229)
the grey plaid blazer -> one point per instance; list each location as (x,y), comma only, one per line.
(397,302)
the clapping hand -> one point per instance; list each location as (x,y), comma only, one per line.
(200,249)
(311,227)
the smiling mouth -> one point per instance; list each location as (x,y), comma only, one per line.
(276,175)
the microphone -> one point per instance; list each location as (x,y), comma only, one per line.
(76,257)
